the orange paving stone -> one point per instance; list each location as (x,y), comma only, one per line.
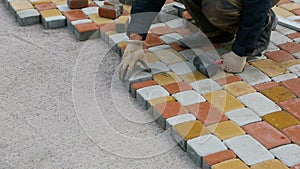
(270,164)
(85,27)
(162,30)
(225,130)
(177,87)
(269,67)
(280,120)
(293,85)
(191,129)
(289,63)
(294,35)
(296,166)
(75,14)
(218,157)
(228,80)
(166,78)
(223,101)
(266,134)
(206,113)
(293,133)
(192,77)
(292,106)
(177,47)
(44,6)
(264,86)
(279,56)
(170,109)
(152,40)
(239,88)
(139,85)
(278,94)
(290,47)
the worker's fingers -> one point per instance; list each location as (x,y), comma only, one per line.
(129,70)
(123,71)
(146,67)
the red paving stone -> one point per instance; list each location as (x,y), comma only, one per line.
(219,157)
(290,47)
(139,85)
(294,35)
(292,106)
(73,15)
(296,167)
(186,15)
(85,27)
(279,56)
(293,85)
(78,4)
(177,47)
(44,6)
(162,30)
(207,113)
(183,31)
(265,86)
(266,134)
(177,87)
(228,80)
(296,12)
(152,40)
(170,109)
(108,27)
(293,133)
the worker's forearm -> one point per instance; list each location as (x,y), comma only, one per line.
(143,13)
(253,19)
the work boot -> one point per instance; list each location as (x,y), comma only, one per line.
(264,39)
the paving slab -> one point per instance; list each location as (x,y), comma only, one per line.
(280,120)
(291,106)
(243,116)
(28,17)
(148,93)
(172,121)
(239,88)
(226,130)
(253,76)
(205,86)
(232,164)
(270,164)
(288,154)
(188,97)
(293,133)
(215,158)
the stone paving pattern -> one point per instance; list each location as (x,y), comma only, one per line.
(245,120)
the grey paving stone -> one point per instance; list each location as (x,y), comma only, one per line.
(188,97)
(54,22)
(182,68)
(253,76)
(205,86)
(28,17)
(259,103)
(272,47)
(248,149)
(176,23)
(158,48)
(73,23)
(284,30)
(188,54)
(284,77)
(202,146)
(63,7)
(243,116)
(171,37)
(93,34)
(90,10)
(116,38)
(172,121)
(148,93)
(288,154)
(158,67)
(138,75)
(295,69)
(278,38)
(99,3)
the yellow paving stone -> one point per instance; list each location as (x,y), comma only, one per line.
(230,164)
(127,8)
(169,56)
(151,58)
(50,13)
(166,78)
(289,63)
(156,101)
(221,74)
(99,20)
(226,130)
(278,94)
(239,88)
(21,5)
(191,129)
(270,164)
(40,2)
(282,12)
(193,76)
(223,101)
(290,6)
(59,2)
(280,120)
(269,67)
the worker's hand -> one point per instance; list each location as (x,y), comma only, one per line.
(233,63)
(133,55)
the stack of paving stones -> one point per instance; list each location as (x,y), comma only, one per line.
(227,121)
